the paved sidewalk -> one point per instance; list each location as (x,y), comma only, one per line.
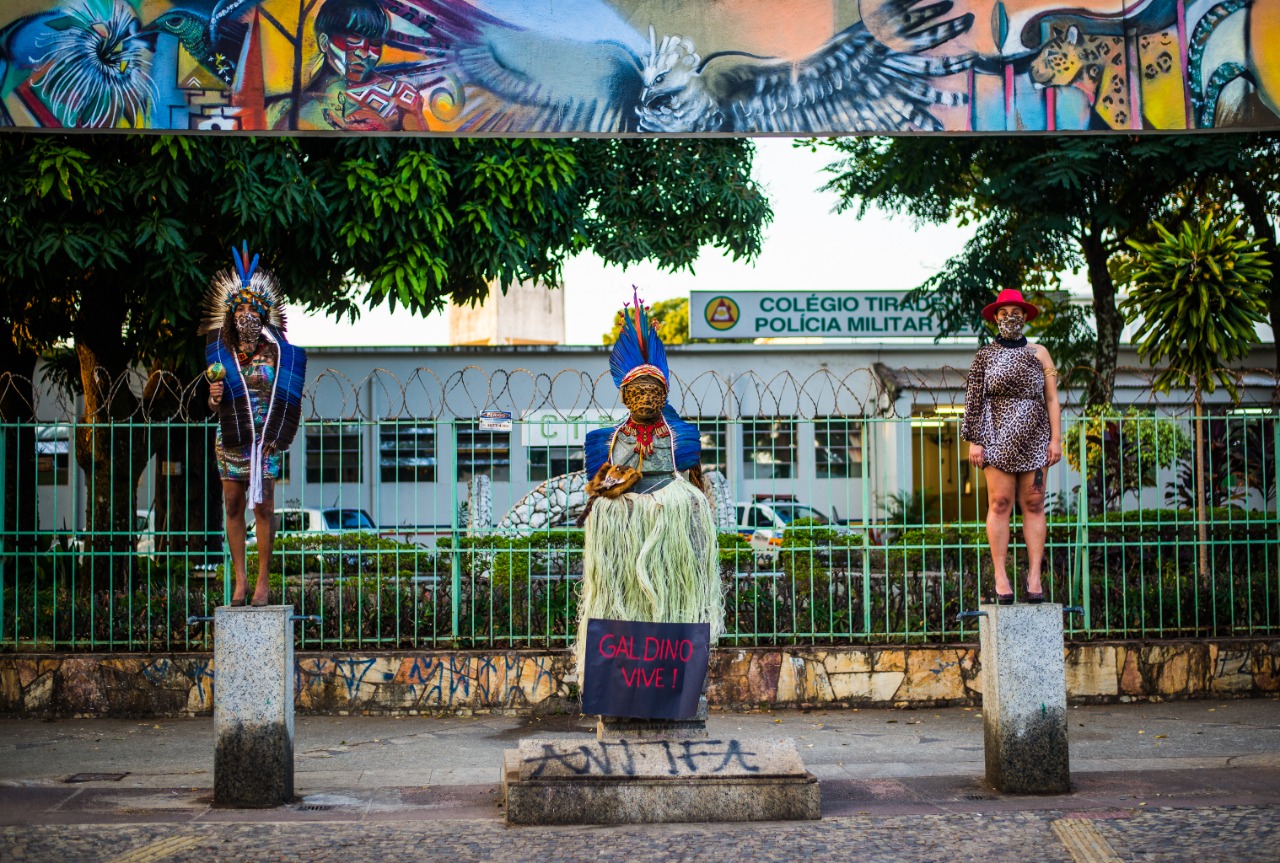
(1191,781)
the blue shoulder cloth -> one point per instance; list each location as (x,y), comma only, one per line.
(291,371)
(596,448)
(688,441)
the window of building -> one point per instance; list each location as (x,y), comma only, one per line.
(407,452)
(333,453)
(715,435)
(548,461)
(53,454)
(837,448)
(768,448)
(483,452)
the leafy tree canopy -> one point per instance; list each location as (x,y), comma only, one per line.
(1044,206)
(110,241)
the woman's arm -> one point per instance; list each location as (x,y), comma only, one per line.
(971,425)
(1051,405)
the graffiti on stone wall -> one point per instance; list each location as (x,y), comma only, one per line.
(429,682)
(178,685)
(476,67)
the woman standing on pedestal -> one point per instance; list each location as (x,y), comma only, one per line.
(1013,425)
(256,380)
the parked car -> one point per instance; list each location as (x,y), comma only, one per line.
(306,520)
(144,525)
(763,519)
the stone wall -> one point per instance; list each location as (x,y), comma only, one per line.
(544,682)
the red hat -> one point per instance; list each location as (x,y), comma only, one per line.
(1010,297)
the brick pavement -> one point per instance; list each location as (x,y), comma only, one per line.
(1208,835)
(1188,783)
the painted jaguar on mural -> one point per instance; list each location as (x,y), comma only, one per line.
(570,67)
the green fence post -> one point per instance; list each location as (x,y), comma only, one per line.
(1275,463)
(4,526)
(455,539)
(866,535)
(1082,530)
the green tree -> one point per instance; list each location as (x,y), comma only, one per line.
(1122,452)
(107,243)
(671,317)
(1044,206)
(1197,297)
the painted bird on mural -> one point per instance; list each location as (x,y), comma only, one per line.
(212,40)
(539,81)
(193,32)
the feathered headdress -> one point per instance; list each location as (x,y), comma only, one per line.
(245,285)
(638,350)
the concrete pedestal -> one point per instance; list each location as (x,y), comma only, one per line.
(1024,698)
(651,781)
(253,706)
(615,728)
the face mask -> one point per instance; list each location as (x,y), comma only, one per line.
(1011,327)
(249,328)
(644,398)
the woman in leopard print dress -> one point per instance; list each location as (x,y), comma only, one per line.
(1011,420)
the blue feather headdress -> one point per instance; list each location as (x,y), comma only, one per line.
(245,285)
(638,350)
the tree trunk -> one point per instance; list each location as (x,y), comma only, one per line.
(1107,319)
(188,510)
(110,447)
(1255,209)
(17,413)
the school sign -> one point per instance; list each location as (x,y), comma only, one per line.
(829,314)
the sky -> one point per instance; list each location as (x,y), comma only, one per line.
(806,248)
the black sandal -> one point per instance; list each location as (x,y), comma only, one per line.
(1004,599)
(1032,598)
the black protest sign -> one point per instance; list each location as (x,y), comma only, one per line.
(644,670)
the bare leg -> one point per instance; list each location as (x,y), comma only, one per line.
(1001,488)
(1034,526)
(264,527)
(233,501)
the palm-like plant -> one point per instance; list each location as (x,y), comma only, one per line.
(1198,296)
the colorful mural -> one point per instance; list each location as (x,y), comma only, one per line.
(511,67)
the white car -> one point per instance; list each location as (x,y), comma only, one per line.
(328,520)
(764,519)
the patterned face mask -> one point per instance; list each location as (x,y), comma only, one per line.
(248,328)
(644,397)
(1011,326)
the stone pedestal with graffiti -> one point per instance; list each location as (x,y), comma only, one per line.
(1024,699)
(253,706)
(651,781)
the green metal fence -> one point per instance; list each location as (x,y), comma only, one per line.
(431,533)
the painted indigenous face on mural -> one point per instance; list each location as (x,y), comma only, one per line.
(351,55)
(645,397)
(1010,321)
